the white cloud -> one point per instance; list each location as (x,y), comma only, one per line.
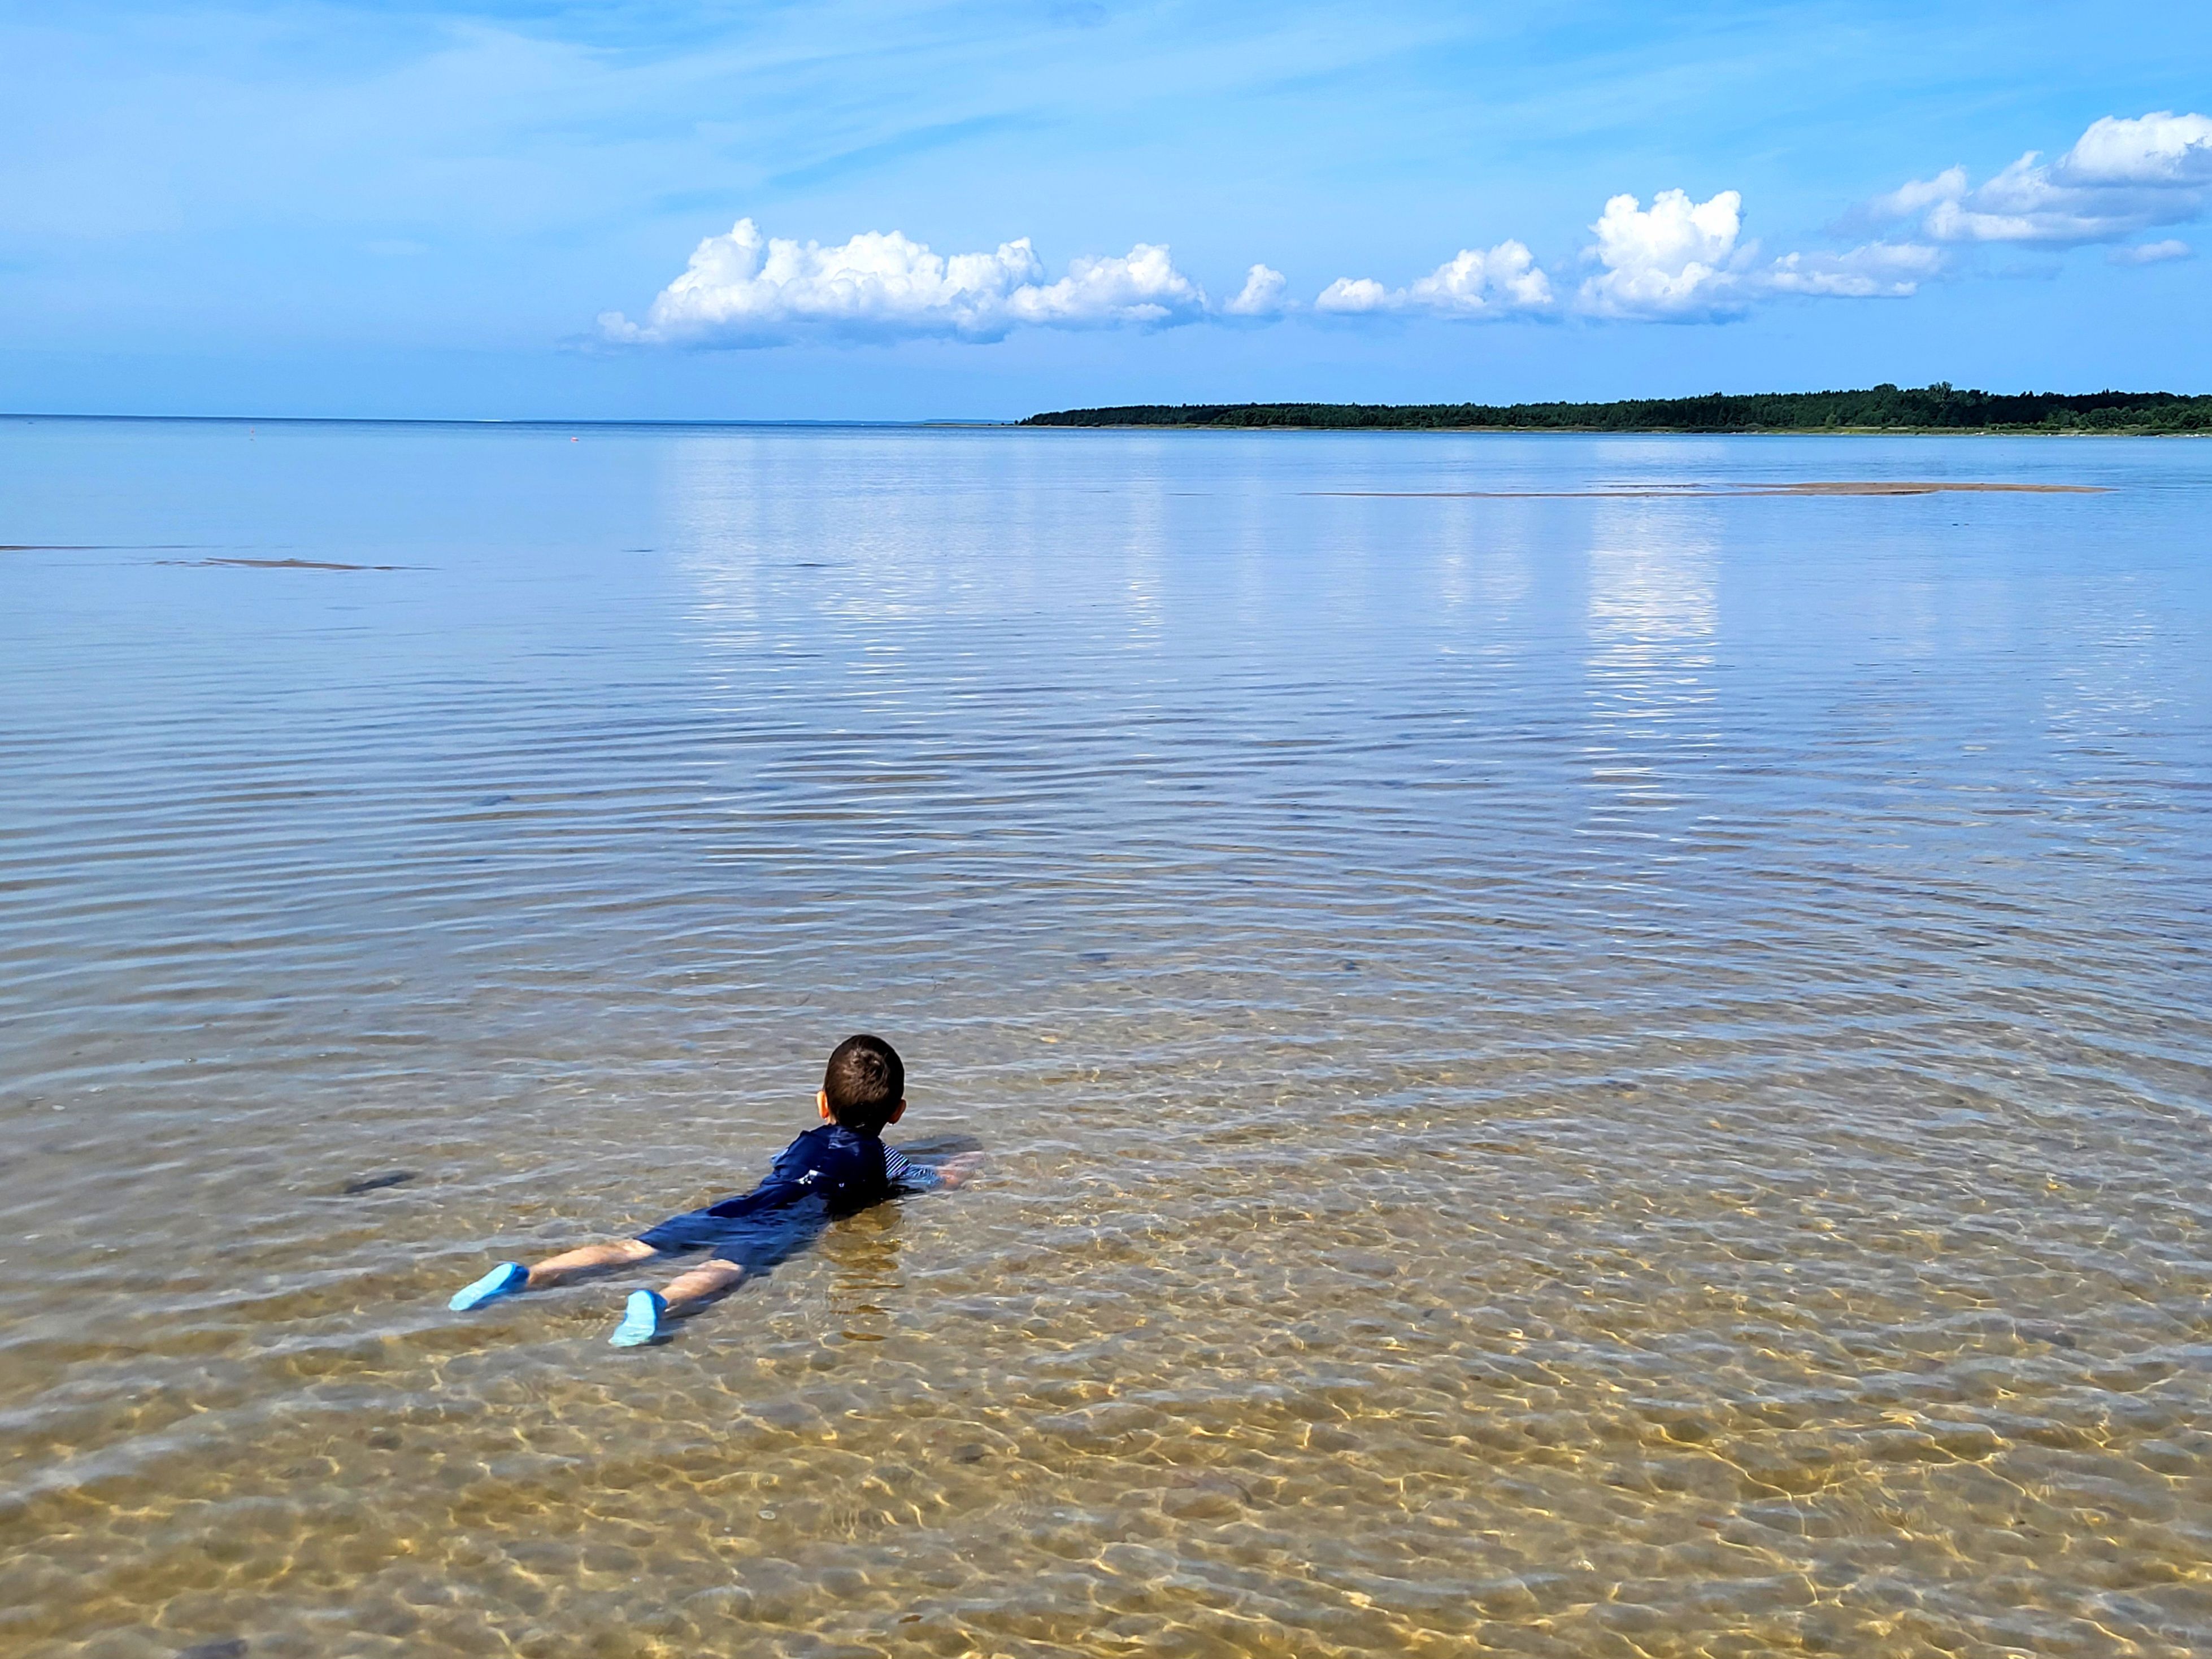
(1262,294)
(1351,296)
(1917,195)
(1685,261)
(2160,148)
(744,289)
(2122,176)
(2152,253)
(1507,278)
(1877,271)
(1678,262)
(2022,204)
(1505,281)
(1143,289)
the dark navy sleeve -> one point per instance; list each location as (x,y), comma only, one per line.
(796,1159)
(786,1180)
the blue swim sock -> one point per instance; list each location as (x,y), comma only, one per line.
(640,1319)
(505,1280)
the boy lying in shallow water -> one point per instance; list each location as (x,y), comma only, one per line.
(827,1172)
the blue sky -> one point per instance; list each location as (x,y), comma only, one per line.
(652,210)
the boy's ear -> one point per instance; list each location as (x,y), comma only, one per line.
(822,1103)
(897,1112)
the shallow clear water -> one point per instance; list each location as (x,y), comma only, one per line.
(1563,1076)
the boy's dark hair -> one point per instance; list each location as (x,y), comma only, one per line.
(865,1080)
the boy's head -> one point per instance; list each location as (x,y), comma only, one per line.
(864,1086)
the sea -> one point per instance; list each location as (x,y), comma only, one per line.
(1574,1052)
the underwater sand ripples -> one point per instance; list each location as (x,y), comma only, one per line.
(1565,1073)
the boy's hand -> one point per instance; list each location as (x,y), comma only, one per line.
(955,1170)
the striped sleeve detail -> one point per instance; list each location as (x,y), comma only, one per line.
(905,1174)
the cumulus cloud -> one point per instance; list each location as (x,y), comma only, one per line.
(1505,281)
(1143,289)
(1685,261)
(746,290)
(1353,295)
(2152,253)
(1678,260)
(2121,177)
(2161,149)
(1507,278)
(1262,294)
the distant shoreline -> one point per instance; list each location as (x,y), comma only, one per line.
(1877,410)
(1598,431)
(1937,410)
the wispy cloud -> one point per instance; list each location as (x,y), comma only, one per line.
(899,147)
(2152,253)
(1876,270)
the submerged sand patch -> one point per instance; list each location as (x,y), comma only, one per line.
(284,564)
(1915,487)
(1724,492)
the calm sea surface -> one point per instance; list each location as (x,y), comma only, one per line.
(1566,1076)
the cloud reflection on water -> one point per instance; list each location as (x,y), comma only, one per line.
(1654,627)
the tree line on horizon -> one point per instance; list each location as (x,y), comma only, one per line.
(1941,407)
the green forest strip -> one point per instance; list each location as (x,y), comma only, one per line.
(1938,408)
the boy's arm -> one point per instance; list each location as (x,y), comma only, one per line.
(906,1175)
(955,1171)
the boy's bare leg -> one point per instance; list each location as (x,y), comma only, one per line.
(701,1284)
(644,1318)
(619,1252)
(511,1277)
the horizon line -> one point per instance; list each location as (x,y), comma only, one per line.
(500,420)
(1057,419)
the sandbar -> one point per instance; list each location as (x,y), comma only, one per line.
(284,564)
(1701,491)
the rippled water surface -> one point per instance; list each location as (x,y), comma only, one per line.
(1567,1076)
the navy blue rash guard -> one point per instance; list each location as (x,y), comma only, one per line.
(826,1173)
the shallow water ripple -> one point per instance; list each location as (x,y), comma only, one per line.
(1562,1075)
